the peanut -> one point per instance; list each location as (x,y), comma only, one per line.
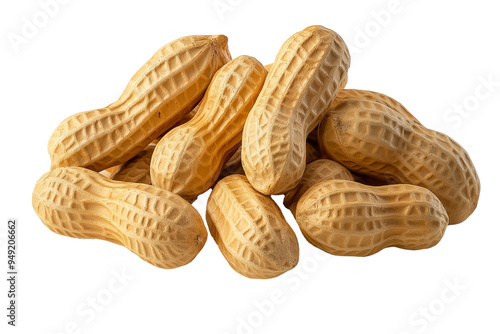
(316,172)
(188,159)
(348,218)
(309,70)
(374,139)
(157,225)
(250,229)
(167,87)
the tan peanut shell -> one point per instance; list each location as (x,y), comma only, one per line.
(353,94)
(167,87)
(250,229)
(188,159)
(136,169)
(373,139)
(309,70)
(186,118)
(157,225)
(315,172)
(343,83)
(348,218)
(367,95)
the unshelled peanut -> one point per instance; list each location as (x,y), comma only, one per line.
(166,88)
(374,139)
(359,172)
(188,159)
(250,229)
(157,225)
(348,218)
(309,70)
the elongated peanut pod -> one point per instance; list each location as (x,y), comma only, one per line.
(374,139)
(166,88)
(348,218)
(188,159)
(316,172)
(309,70)
(250,229)
(157,225)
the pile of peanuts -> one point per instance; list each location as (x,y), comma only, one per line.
(359,172)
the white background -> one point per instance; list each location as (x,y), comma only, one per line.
(433,56)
